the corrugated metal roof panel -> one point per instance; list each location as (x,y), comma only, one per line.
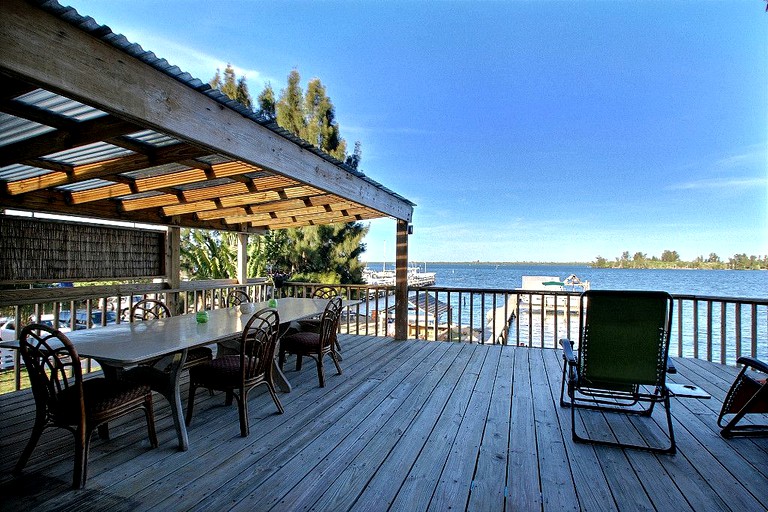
(205,184)
(214,159)
(96,152)
(158,170)
(20,172)
(60,105)
(14,129)
(153,138)
(142,195)
(85,185)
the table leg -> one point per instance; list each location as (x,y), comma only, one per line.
(172,393)
(279,377)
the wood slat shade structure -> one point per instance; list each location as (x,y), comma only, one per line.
(92,125)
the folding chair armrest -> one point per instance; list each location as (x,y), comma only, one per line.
(753,363)
(671,366)
(568,351)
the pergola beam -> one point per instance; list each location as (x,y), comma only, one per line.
(39,47)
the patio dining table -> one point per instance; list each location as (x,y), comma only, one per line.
(129,344)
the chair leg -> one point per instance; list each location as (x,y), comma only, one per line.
(242,410)
(563,403)
(338,350)
(281,358)
(228,398)
(672,446)
(37,431)
(298,362)
(149,412)
(190,404)
(272,392)
(336,358)
(82,445)
(320,371)
(103,430)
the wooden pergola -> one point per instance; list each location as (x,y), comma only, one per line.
(93,125)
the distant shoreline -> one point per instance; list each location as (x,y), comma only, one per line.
(555,264)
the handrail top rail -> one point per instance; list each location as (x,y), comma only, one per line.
(29,296)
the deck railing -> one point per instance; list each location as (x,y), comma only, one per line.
(718,329)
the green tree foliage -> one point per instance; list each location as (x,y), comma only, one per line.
(320,127)
(229,87)
(290,113)
(242,95)
(670,256)
(323,254)
(671,259)
(208,254)
(353,160)
(267,106)
(638,260)
(216,82)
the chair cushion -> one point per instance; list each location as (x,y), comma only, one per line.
(153,377)
(310,325)
(223,371)
(301,341)
(198,355)
(100,396)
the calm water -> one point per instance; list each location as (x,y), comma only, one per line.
(724,283)
(703,283)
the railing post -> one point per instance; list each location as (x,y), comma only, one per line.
(723,328)
(737,319)
(695,328)
(401,281)
(172,268)
(709,330)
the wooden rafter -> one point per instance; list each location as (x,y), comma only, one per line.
(186,159)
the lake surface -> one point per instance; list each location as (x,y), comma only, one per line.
(729,284)
(751,284)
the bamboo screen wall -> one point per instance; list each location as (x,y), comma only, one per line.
(43,250)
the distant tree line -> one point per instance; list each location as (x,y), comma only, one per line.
(320,254)
(671,259)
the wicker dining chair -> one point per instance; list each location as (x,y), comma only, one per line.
(231,346)
(237,297)
(236,375)
(316,345)
(313,324)
(64,400)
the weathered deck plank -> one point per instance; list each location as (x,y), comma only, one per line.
(408,426)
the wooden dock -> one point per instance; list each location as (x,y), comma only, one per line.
(409,426)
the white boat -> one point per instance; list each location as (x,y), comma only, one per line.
(384,277)
(543,292)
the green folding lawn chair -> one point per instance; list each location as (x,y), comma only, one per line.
(621,360)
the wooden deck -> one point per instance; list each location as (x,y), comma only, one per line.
(409,426)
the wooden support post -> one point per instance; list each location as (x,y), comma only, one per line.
(242,258)
(401,281)
(173,266)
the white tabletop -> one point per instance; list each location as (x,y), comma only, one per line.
(126,344)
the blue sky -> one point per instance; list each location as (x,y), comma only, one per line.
(523,130)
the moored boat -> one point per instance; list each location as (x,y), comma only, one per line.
(545,292)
